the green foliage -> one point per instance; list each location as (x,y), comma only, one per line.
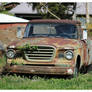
(27,47)
(90,33)
(89,28)
(14,63)
(6,12)
(3,9)
(2,61)
(17,82)
(59,9)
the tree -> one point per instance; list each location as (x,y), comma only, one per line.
(55,10)
(2,7)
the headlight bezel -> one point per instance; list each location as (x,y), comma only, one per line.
(12,52)
(68,52)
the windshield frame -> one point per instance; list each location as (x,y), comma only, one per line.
(29,24)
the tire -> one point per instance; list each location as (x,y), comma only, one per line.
(83,69)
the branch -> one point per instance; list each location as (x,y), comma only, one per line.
(50,11)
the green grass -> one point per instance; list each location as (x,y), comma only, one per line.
(2,61)
(17,82)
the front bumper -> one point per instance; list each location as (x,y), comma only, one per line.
(53,70)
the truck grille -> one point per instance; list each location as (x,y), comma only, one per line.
(43,53)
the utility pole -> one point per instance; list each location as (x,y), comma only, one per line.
(74,16)
(87,13)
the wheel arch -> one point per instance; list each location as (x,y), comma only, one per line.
(78,61)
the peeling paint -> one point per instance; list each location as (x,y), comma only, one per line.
(58,45)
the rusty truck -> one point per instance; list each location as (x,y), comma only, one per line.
(61,49)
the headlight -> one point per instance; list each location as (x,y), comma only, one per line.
(68,55)
(10,53)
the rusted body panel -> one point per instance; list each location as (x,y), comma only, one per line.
(59,45)
(56,70)
(57,42)
(55,21)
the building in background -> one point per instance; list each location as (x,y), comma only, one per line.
(11,28)
(24,10)
(80,13)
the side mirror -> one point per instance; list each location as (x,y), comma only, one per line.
(85,34)
(19,32)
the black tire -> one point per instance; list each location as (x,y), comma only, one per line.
(83,69)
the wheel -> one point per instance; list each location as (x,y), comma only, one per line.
(83,69)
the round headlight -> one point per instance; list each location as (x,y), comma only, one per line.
(68,55)
(10,53)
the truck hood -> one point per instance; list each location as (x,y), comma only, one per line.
(52,41)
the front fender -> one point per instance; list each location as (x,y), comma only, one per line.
(79,52)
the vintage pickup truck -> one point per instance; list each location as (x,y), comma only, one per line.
(59,48)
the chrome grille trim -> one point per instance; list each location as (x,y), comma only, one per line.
(43,53)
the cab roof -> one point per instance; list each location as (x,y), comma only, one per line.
(54,21)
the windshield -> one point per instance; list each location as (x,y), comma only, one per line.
(51,30)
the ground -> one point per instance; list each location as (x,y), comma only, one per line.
(16,82)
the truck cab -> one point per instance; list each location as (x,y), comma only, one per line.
(59,48)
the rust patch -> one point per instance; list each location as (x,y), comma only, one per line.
(37,69)
(57,42)
(56,46)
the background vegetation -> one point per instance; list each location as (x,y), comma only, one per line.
(47,10)
(61,10)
